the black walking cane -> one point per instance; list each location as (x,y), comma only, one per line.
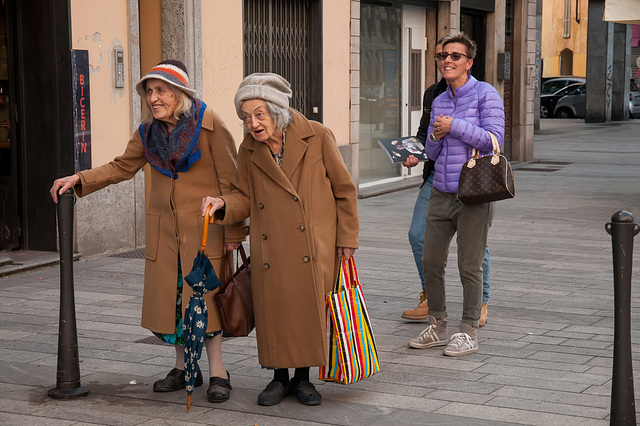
(68,376)
(622,230)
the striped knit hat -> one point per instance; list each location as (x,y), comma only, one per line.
(171,71)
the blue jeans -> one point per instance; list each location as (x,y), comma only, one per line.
(416,230)
(416,237)
(486,278)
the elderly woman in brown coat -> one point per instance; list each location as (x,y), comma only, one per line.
(293,184)
(192,154)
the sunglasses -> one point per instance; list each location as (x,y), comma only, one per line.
(455,56)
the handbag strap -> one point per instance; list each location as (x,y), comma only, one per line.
(343,276)
(475,154)
(494,143)
(353,273)
(243,255)
(228,273)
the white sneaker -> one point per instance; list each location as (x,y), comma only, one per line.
(434,335)
(461,344)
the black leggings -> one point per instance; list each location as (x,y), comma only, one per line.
(282,375)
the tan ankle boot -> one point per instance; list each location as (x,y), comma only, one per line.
(421,312)
(483,315)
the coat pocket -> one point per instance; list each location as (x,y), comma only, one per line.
(152,228)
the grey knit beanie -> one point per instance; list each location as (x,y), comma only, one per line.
(266,86)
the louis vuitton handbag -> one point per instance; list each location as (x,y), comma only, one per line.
(486,179)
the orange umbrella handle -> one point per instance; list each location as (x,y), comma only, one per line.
(205,228)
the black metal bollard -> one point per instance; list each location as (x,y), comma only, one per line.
(622,230)
(68,376)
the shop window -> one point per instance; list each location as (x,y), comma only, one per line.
(415,80)
(567,19)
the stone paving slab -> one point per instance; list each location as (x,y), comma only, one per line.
(545,354)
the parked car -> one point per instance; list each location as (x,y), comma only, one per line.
(548,102)
(552,85)
(634,100)
(573,104)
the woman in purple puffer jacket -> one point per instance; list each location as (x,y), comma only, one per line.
(461,119)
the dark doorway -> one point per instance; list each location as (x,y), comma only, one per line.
(9,194)
(40,137)
(472,23)
(285,37)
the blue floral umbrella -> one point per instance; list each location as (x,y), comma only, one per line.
(202,279)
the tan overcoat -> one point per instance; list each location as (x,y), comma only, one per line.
(299,215)
(173,218)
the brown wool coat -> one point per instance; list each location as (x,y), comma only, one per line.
(173,219)
(299,215)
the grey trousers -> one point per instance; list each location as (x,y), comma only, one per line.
(446,216)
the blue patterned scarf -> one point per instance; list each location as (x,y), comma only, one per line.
(175,151)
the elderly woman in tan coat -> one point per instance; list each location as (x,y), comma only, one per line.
(192,154)
(293,184)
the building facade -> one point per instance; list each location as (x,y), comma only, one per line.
(360,67)
(564,38)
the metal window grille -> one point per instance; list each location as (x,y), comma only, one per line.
(567,19)
(508,19)
(276,39)
(415,80)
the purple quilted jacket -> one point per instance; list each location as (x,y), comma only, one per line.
(477,109)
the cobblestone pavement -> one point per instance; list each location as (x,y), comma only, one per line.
(545,355)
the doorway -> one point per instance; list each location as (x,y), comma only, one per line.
(9,194)
(413,67)
(566,62)
(380,86)
(472,22)
(36,129)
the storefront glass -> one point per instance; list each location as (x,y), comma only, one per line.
(380,87)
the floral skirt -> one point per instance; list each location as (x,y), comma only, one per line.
(176,337)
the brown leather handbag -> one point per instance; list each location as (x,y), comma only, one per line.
(234,299)
(486,179)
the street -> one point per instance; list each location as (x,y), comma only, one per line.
(545,355)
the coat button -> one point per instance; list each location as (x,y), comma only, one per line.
(301,228)
(266,266)
(260,205)
(305,259)
(294,198)
(264,236)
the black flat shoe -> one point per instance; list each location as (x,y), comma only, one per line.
(175,381)
(273,394)
(219,389)
(306,393)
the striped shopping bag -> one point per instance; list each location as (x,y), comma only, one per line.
(352,348)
